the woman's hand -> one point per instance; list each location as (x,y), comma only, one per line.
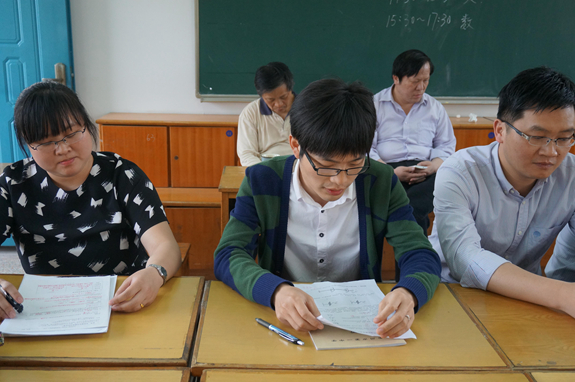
(139,289)
(6,310)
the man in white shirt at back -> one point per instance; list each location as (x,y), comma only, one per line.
(413,129)
(263,126)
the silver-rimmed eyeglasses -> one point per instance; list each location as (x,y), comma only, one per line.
(69,139)
(323,171)
(544,141)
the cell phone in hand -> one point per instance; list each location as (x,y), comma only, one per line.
(419,167)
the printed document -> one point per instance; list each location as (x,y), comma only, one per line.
(350,305)
(62,305)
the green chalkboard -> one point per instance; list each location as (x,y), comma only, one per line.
(476,45)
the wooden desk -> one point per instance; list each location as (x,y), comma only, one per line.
(158,335)
(229,337)
(346,376)
(94,375)
(529,335)
(230,182)
(194,216)
(553,377)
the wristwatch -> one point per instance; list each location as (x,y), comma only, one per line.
(161,270)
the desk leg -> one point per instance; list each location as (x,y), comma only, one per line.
(225,209)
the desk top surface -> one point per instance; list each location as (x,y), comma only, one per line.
(463,123)
(91,375)
(162,119)
(554,376)
(347,376)
(230,120)
(231,179)
(229,337)
(158,335)
(529,335)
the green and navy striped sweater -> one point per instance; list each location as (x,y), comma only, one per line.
(258,228)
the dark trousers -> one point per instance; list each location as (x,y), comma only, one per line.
(420,195)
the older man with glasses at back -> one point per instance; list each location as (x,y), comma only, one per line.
(498,208)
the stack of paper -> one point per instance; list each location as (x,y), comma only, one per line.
(62,305)
(351,307)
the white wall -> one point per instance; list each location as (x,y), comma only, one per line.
(138,56)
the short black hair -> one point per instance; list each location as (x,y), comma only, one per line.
(409,63)
(536,89)
(47,109)
(330,118)
(271,76)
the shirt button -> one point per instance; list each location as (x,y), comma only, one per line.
(321,235)
(520,233)
(322,211)
(523,203)
(512,191)
(321,260)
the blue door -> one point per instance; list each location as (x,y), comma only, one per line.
(35,35)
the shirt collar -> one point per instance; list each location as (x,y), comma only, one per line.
(506,187)
(302,195)
(265,109)
(386,96)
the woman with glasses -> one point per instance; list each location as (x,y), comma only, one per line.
(72,210)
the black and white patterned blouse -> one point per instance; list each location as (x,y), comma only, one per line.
(94,229)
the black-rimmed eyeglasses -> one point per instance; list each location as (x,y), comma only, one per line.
(323,171)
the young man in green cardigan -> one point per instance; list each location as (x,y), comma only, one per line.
(322,215)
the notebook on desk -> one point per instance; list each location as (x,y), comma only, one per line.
(331,338)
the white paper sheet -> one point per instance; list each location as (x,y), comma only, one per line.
(350,305)
(62,305)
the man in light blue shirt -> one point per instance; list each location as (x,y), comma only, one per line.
(499,207)
(413,129)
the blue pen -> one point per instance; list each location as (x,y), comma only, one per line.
(286,336)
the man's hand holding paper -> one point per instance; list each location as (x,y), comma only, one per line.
(401,302)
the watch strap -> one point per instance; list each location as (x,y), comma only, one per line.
(161,270)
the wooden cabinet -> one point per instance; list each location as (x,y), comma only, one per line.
(198,155)
(472,133)
(147,146)
(174,150)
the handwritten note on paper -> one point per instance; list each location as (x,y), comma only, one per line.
(351,305)
(62,305)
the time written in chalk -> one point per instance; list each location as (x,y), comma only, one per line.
(434,20)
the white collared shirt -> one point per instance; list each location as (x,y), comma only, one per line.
(322,243)
(482,222)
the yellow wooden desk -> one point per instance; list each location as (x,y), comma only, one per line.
(158,335)
(531,336)
(230,182)
(348,376)
(229,337)
(94,375)
(554,377)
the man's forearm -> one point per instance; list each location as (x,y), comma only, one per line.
(511,281)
